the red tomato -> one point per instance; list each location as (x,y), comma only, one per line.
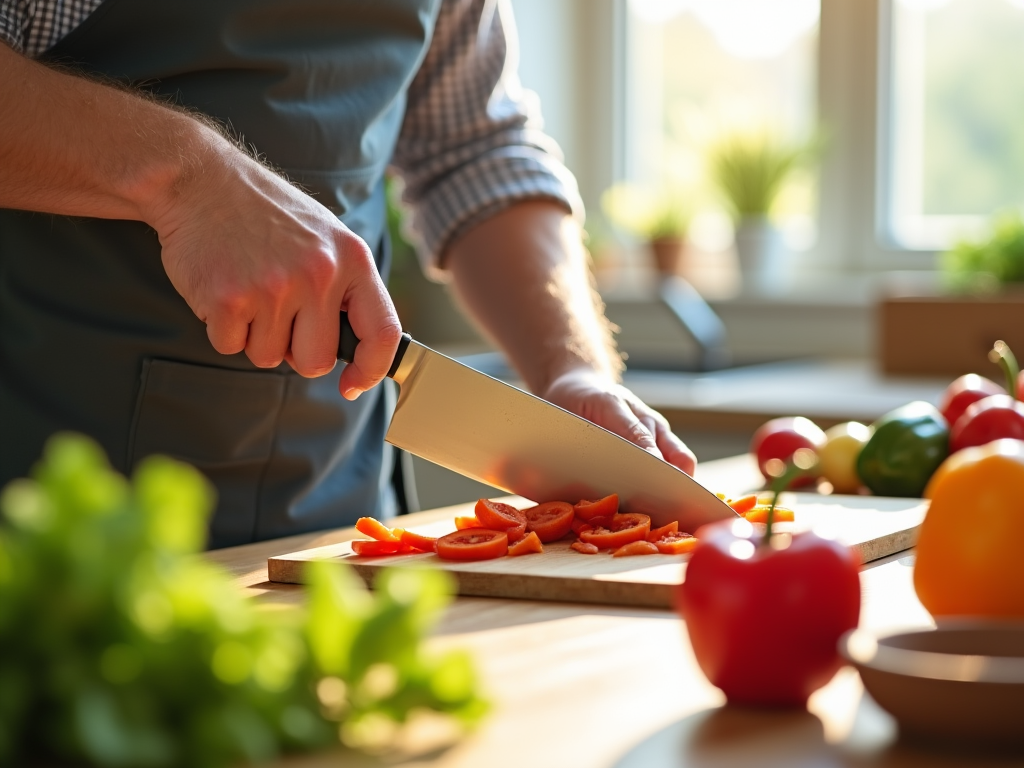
(781,438)
(635,548)
(578,524)
(622,529)
(501,517)
(584,548)
(375,548)
(473,544)
(764,620)
(418,542)
(526,546)
(375,529)
(462,523)
(677,543)
(962,392)
(551,520)
(994,418)
(658,533)
(605,507)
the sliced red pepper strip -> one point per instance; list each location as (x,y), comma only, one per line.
(462,523)
(419,542)
(635,548)
(759,514)
(657,533)
(584,548)
(527,545)
(375,548)
(375,529)
(743,503)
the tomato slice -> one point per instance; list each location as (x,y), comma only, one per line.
(551,520)
(498,516)
(635,548)
(584,548)
(375,529)
(759,514)
(605,507)
(419,542)
(743,503)
(677,543)
(578,524)
(657,533)
(473,544)
(375,548)
(527,545)
(462,523)
(622,529)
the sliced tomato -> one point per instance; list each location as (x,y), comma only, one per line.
(621,529)
(605,507)
(473,544)
(419,542)
(743,503)
(583,547)
(635,548)
(375,548)
(657,533)
(551,520)
(759,514)
(499,516)
(462,523)
(375,529)
(579,524)
(527,545)
(677,543)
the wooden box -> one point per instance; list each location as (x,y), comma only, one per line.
(948,335)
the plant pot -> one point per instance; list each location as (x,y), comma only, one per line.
(761,252)
(669,254)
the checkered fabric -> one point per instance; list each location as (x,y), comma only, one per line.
(472,142)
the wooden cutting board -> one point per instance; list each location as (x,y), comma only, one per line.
(875,526)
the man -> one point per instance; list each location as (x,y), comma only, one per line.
(154,277)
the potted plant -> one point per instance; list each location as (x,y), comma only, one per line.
(659,218)
(750,172)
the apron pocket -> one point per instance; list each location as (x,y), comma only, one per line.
(222,422)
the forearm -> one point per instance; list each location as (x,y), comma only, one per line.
(72,146)
(523,276)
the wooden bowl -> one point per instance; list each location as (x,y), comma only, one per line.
(961,682)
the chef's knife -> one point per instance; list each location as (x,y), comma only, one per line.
(485,429)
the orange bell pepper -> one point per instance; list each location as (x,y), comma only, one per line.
(969,560)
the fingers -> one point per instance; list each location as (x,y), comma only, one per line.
(376,325)
(673,450)
(619,418)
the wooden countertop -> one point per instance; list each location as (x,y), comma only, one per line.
(577,686)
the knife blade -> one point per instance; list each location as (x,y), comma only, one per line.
(492,432)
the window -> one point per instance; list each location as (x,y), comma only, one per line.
(954,117)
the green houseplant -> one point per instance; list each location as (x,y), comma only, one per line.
(985,264)
(659,218)
(750,172)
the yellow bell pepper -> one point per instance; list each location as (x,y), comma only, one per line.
(970,553)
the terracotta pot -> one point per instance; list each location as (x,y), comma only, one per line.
(669,254)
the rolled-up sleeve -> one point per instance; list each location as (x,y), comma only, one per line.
(472,141)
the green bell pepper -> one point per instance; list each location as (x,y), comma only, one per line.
(906,447)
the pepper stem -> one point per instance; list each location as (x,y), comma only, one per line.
(1002,355)
(803,461)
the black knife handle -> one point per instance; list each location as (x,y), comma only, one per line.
(348,341)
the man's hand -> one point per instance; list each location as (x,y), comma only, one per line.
(265,266)
(523,275)
(618,410)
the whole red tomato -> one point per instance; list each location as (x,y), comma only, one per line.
(781,438)
(963,392)
(764,620)
(994,418)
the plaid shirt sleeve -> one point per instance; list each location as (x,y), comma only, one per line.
(472,143)
(33,26)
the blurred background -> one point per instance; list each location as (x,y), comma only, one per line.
(793,206)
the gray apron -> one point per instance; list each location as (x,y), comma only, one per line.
(94,338)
